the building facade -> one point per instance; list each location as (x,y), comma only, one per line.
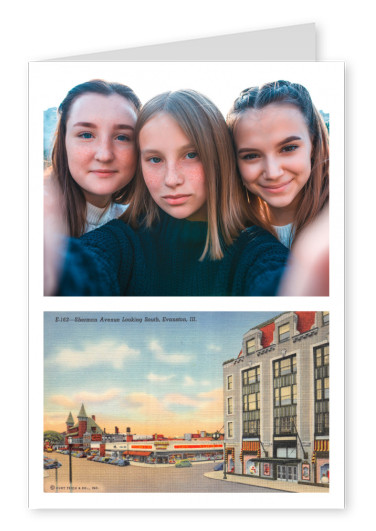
(276,400)
(84,431)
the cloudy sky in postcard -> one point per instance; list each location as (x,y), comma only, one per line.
(152,376)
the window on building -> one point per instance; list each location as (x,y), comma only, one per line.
(251,402)
(251,346)
(321,364)
(230,429)
(285,396)
(230,406)
(284,332)
(229,382)
(325,318)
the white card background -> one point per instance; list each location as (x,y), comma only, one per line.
(49,82)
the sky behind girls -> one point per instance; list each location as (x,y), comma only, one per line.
(163,377)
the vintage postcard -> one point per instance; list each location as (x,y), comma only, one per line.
(198,402)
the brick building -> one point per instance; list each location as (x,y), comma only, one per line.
(83,431)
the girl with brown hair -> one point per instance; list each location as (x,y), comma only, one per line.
(184,232)
(282,150)
(94,156)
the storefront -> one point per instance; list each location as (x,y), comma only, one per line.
(320,461)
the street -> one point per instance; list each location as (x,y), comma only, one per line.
(89,476)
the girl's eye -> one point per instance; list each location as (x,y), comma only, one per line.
(292,147)
(123,138)
(155,160)
(191,155)
(86,136)
(250,156)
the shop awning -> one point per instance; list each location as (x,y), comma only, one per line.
(136,452)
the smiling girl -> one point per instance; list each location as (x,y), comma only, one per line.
(184,230)
(282,151)
(94,156)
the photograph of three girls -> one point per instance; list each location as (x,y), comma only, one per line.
(171,198)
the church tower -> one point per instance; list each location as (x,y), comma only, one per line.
(82,421)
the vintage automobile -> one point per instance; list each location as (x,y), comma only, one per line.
(183,463)
(50,463)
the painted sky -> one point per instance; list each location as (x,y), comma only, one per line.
(163,377)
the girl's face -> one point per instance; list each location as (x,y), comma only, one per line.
(172,169)
(273,149)
(100,145)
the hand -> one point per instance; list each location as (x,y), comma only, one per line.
(308,269)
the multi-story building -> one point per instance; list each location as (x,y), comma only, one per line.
(276,400)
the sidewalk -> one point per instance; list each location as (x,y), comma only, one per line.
(269,484)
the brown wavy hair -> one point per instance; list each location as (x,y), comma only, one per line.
(315,193)
(204,125)
(74,202)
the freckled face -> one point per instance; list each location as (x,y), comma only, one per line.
(172,169)
(100,145)
(273,149)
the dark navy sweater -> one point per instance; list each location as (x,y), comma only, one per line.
(164,260)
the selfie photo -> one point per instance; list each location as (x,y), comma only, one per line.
(201,188)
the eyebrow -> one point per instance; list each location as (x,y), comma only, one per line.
(289,139)
(284,141)
(94,126)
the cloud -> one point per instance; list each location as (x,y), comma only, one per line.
(161,355)
(64,401)
(74,402)
(159,377)
(190,382)
(144,406)
(216,348)
(104,353)
(107,396)
(178,399)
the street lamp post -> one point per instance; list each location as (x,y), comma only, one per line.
(70,441)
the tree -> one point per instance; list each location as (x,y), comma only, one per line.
(53,437)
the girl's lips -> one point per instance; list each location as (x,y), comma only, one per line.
(178,199)
(104,173)
(276,189)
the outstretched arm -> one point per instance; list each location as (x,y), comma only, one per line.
(308,272)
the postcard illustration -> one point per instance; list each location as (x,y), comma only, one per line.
(204,402)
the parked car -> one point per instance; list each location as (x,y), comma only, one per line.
(183,463)
(122,462)
(50,463)
(218,466)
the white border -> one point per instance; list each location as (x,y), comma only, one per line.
(330,74)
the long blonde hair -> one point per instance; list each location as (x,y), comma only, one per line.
(202,122)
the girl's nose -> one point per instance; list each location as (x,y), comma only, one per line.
(173,176)
(104,152)
(273,168)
